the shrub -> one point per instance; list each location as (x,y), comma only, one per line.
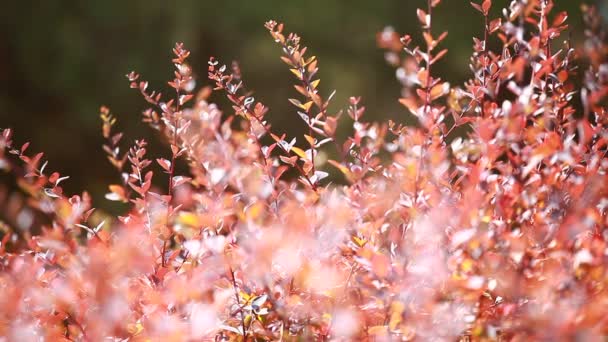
(496,234)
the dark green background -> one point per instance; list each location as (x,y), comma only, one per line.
(61,60)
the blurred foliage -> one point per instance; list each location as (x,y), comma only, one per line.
(61,60)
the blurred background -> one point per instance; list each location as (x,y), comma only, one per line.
(61,60)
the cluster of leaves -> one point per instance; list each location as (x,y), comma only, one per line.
(498,234)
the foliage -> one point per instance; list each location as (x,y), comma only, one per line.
(499,234)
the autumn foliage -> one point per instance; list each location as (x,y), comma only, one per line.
(486,221)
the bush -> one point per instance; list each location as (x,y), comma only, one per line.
(496,234)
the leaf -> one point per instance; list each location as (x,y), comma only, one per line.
(330,126)
(423,77)
(117,193)
(494,25)
(237,330)
(135,329)
(396,316)
(378,330)
(430,41)
(301,90)
(312,67)
(306,106)
(137,189)
(318,176)
(164,163)
(51,193)
(485,6)
(289,160)
(255,210)
(340,167)
(296,102)
(560,18)
(185,98)
(477,7)
(299,152)
(24,147)
(179,180)
(439,56)
(286,61)
(410,104)
(424,18)
(440,90)
(297,73)
(359,242)
(257,303)
(189,219)
(309,139)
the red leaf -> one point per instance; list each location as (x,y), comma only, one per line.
(24,147)
(486,6)
(494,25)
(560,18)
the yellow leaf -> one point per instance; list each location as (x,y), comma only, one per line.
(300,152)
(310,60)
(359,242)
(340,167)
(315,83)
(467,265)
(397,309)
(306,106)
(297,73)
(245,296)
(255,210)
(188,218)
(135,329)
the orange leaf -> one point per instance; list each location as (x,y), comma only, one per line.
(423,77)
(440,90)
(409,104)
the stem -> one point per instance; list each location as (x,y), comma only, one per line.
(238,302)
(171,173)
(483,65)
(427,100)
(141,182)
